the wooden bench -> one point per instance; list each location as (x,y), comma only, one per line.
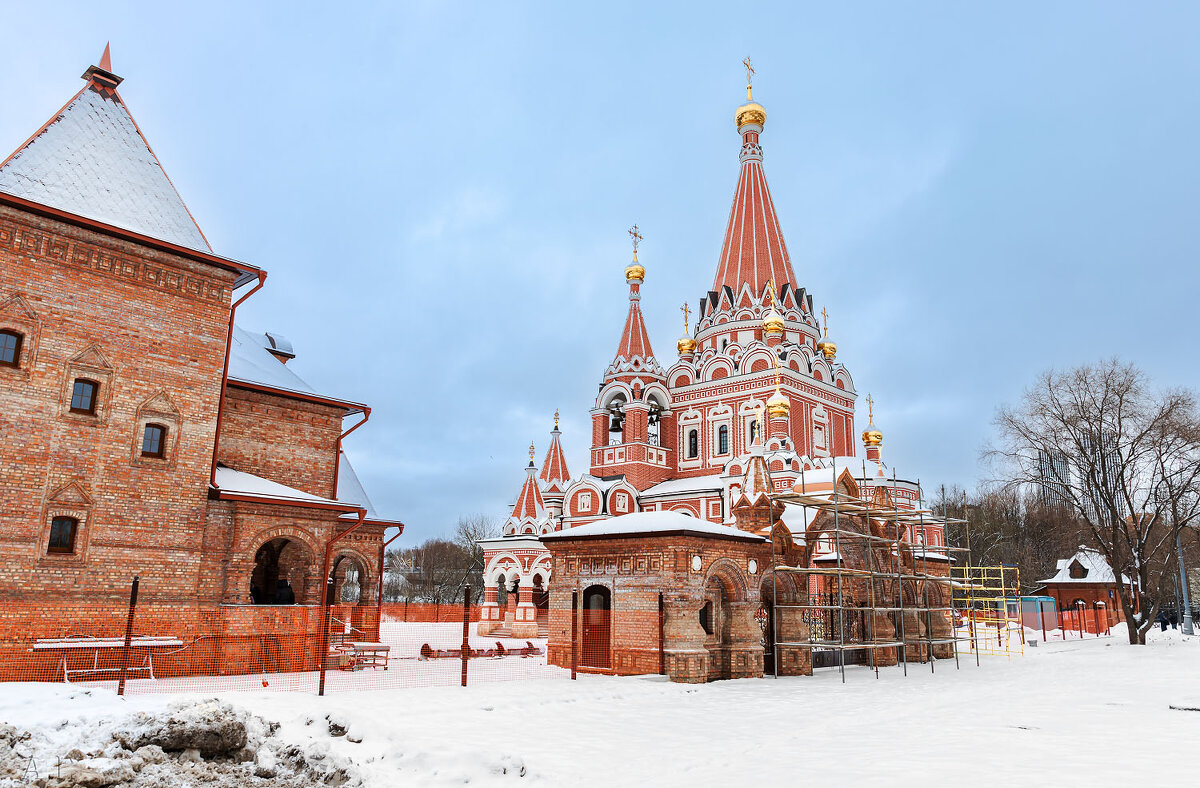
(140,645)
(358,654)
(529,650)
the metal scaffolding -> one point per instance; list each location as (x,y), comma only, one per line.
(883,599)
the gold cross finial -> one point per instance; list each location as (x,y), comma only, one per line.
(636,236)
(870,408)
(687,315)
(556,418)
(531,451)
(825,321)
(771,290)
(749,78)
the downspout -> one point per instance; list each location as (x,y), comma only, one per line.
(366,414)
(379,595)
(326,593)
(262,279)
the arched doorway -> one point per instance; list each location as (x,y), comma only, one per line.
(716,620)
(597,627)
(282,573)
(349,581)
(541,604)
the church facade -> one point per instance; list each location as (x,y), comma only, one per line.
(755,402)
(145,432)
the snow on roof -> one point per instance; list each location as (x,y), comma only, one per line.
(689,485)
(92,160)
(350,489)
(1098,570)
(651,523)
(251,362)
(242,483)
(797,519)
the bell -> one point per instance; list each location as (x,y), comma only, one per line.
(615,426)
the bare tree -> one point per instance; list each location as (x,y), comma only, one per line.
(468,533)
(1122,459)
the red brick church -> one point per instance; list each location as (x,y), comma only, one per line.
(685,454)
(143,431)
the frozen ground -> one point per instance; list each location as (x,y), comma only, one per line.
(1091,712)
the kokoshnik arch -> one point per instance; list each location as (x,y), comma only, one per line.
(685,457)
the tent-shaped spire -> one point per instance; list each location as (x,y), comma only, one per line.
(92,160)
(529,512)
(754,252)
(554,467)
(635,342)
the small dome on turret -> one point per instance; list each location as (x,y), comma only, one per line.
(872,437)
(635,271)
(686,345)
(773,322)
(750,113)
(828,347)
(778,404)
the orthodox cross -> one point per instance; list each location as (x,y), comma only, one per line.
(687,313)
(771,290)
(871,408)
(556,418)
(636,236)
(825,320)
(531,451)
(749,78)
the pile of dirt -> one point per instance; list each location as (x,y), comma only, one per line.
(207,743)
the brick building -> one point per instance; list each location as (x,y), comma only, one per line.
(142,432)
(757,403)
(1086,585)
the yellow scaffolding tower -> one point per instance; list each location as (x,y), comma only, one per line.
(987,601)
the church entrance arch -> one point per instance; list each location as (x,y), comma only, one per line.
(716,620)
(349,581)
(283,573)
(597,627)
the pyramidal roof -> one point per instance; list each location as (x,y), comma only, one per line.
(754,252)
(635,342)
(554,467)
(529,505)
(92,160)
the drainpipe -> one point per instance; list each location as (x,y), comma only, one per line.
(379,596)
(327,591)
(262,279)
(366,414)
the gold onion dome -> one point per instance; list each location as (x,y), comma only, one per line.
(635,271)
(750,112)
(778,404)
(773,322)
(686,345)
(828,347)
(872,437)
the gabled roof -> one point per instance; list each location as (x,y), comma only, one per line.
(250,363)
(1092,561)
(92,160)
(753,251)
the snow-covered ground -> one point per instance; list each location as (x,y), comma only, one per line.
(1094,711)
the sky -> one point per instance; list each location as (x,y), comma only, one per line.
(441,192)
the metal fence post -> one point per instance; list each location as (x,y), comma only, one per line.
(133,593)
(574,632)
(466,645)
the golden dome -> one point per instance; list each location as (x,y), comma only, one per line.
(686,345)
(773,322)
(635,271)
(751,112)
(828,347)
(778,404)
(872,437)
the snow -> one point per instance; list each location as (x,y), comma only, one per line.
(1098,570)
(92,161)
(240,482)
(251,362)
(651,523)
(689,485)
(350,489)
(1031,720)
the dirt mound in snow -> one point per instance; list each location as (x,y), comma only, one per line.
(209,743)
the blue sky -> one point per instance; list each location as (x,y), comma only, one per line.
(440,193)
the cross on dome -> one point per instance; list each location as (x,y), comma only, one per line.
(749,78)
(637,237)
(687,314)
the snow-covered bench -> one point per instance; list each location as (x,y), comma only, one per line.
(359,654)
(82,645)
(529,650)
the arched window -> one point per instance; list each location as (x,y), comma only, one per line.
(10,349)
(62,535)
(83,396)
(154,440)
(723,439)
(693,444)
(753,430)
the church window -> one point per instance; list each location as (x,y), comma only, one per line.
(706,617)
(62,535)
(753,430)
(10,349)
(83,396)
(693,444)
(723,439)
(585,502)
(154,440)
(1077,571)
